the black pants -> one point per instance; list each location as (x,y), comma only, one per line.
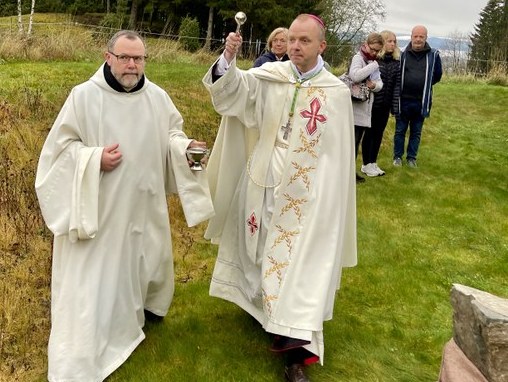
(293,351)
(299,355)
(373,136)
(359,131)
(372,139)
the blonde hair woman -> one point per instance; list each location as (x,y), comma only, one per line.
(276,47)
(388,60)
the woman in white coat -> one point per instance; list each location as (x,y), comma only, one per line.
(364,67)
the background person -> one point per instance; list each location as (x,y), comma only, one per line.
(420,69)
(389,61)
(286,227)
(276,47)
(114,151)
(364,67)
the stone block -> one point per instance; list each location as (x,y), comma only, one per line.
(456,367)
(480,329)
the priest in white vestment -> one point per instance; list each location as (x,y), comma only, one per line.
(114,152)
(282,179)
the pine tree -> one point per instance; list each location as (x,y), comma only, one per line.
(489,42)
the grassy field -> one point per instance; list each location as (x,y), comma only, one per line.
(419,231)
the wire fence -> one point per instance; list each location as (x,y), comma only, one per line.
(454,62)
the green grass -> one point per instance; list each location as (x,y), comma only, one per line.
(419,231)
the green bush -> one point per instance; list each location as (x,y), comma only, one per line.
(113,20)
(188,35)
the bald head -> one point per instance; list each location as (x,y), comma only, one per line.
(306,41)
(315,20)
(418,37)
(419,29)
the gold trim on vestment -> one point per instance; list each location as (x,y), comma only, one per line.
(282,145)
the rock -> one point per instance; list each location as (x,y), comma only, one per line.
(480,329)
(456,367)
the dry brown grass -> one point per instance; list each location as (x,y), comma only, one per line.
(59,38)
(25,250)
(497,76)
(27,109)
(29,103)
(49,45)
(25,244)
(24,303)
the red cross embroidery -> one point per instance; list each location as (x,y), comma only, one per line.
(252,223)
(313,116)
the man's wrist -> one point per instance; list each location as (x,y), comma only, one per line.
(222,65)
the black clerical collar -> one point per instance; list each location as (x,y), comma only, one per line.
(115,85)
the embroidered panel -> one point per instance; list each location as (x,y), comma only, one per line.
(295,195)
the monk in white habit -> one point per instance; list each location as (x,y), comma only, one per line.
(114,152)
(282,179)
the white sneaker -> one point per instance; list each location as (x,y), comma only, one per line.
(379,171)
(370,170)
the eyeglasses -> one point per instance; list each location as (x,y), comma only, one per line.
(374,51)
(125,59)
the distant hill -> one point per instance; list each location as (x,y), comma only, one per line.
(441,43)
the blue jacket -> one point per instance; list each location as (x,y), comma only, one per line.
(268,57)
(434,72)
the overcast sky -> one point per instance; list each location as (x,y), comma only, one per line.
(441,17)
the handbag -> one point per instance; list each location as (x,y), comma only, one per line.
(360,92)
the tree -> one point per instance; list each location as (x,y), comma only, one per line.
(188,35)
(117,19)
(262,17)
(348,22)
(134,14)
(455,51)
(21,30)
(20,19)
(209,29)
(489,42)
(30,23)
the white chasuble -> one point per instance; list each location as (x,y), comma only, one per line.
(286,216)
(112,254)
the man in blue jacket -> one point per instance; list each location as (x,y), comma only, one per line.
(420,69)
